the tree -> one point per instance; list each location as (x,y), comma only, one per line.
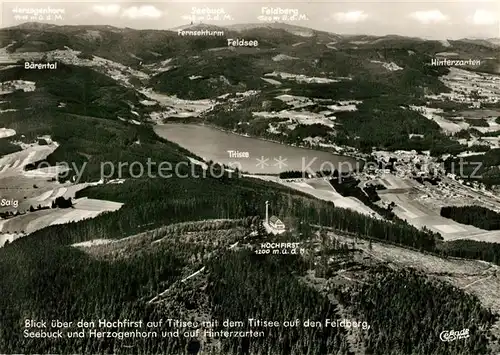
(323,236)
(61,202)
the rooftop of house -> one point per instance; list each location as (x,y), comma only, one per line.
(274,220)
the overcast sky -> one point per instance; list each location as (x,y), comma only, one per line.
(428,19)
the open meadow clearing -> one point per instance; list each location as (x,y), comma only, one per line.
(322,190)
(23,186)
(14,162)
(419,215)
(95,242)
(47,172)
(30,191)
(39,188)
(392,182)
(32,221)
(7,132)
(420,205)
(483,113)
(45,196)
(436,115)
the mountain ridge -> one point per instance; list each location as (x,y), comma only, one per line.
(238,27)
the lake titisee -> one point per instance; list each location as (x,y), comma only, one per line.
(249,154)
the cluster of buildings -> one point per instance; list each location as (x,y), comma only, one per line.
(404,164)
(13,85)
(471,88)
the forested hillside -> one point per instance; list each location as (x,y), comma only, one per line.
(81,90)
(482,168)
(408,312)
(78,286)
(242,286)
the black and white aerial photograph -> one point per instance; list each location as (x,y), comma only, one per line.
(250,177)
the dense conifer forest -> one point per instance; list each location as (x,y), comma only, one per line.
(46,278)
(408,312)
(244,285)
(480,217)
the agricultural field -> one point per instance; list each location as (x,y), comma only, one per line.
(67,190)
(30,222)
(475,98)
(483,120)
(12,164)
(392,182)
(6,132)
(26,191)
(448,125)
(420,206)
(482,113)
(33,187)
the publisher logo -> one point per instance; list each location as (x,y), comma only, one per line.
(452,335)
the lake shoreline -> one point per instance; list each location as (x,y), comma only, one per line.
(357,156)
(218,145)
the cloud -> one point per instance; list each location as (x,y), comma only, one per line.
(350,17)
(428,17)
(483,17)
(146,11)
(106,10)
(133,12)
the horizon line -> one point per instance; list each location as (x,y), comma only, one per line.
(174,29)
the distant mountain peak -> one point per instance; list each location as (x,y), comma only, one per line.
(491,42)
(198,26)
(34,26)
(294,29)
